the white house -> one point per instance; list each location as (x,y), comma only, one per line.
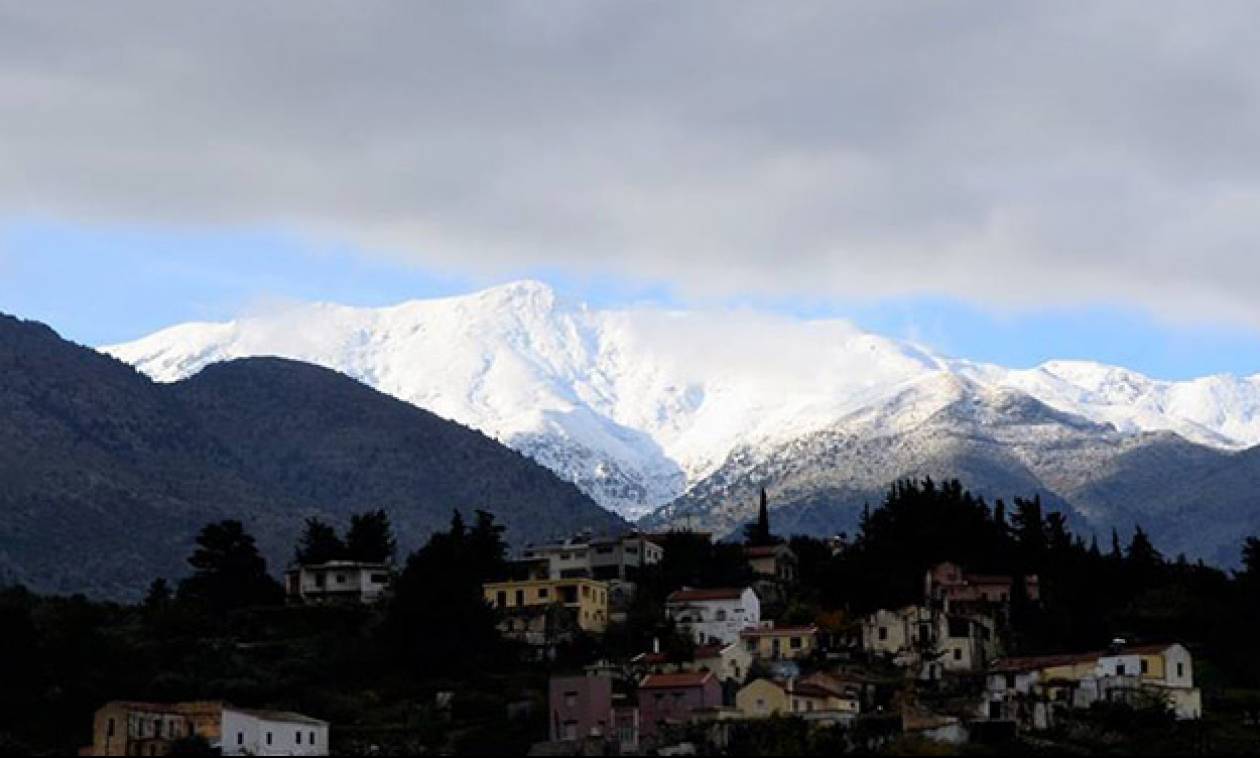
(607,558)
(1033,691)
(338,581)
(253,732)
(1164,669)
(714,615)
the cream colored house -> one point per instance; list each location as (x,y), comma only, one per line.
(763,697)
(774,643)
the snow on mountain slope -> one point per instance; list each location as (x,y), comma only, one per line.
(635,405)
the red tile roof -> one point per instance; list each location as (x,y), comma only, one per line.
(724,593)
(775,631)
(672,681)
(1034,662)
(1030,663)
(701,653)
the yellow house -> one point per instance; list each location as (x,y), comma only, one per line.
(780,643)
(587,598)
(767,697)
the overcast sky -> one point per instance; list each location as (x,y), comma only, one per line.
(1015,158)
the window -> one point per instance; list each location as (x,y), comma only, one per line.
(544,592)
(297,737)
(240,738)
(958,654)
(268,738)
(1146,666)
(570,699)
(341,579)
(1010,681)
(157,728)
(721,615)
(520,597)
(109,729)
(796,643)
(500,598)
(1181,669)
(312,738)
(883,633)
(1120,669)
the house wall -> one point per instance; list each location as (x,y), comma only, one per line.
(674,704)
(761,698)
(580,706)
(720,620)
(364,583)
(1178,675)
(247,734)
(732,664)
(762,645)
(588,597)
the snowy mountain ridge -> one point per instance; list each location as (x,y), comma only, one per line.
(638,404)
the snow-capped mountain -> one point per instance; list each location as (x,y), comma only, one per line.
(638,405)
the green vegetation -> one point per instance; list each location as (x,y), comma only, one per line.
(379,673)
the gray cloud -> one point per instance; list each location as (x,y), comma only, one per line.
(1022,153)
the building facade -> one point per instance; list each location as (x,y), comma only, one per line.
(773,562)
(134,728)
(670,699)
(606,558)
(714,615)
(338,581)
(261,732)
(773,643)
(580,706)
(586,598)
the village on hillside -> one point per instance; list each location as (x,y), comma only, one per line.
(625,662)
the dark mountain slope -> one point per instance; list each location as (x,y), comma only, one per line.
(326,440)
(105,477)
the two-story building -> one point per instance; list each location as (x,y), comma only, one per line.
(619,557)
(766,697)
(714,615)
(770,642)
(586,600)
(1034,691)
(670,699)
(930,642)
(135,728)
(338,581)
(948,588)
(773,562)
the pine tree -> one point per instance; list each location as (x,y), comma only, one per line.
(319,544)
(758,534)
(371,538)
(229,572)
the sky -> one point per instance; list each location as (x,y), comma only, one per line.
(1003,182)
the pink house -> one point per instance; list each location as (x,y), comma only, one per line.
(948,584)
(580,707)
(670,698)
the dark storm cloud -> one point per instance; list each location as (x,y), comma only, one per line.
(1012,153)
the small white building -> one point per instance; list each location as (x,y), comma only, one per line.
(254,732)
(714,615)
(338,581)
